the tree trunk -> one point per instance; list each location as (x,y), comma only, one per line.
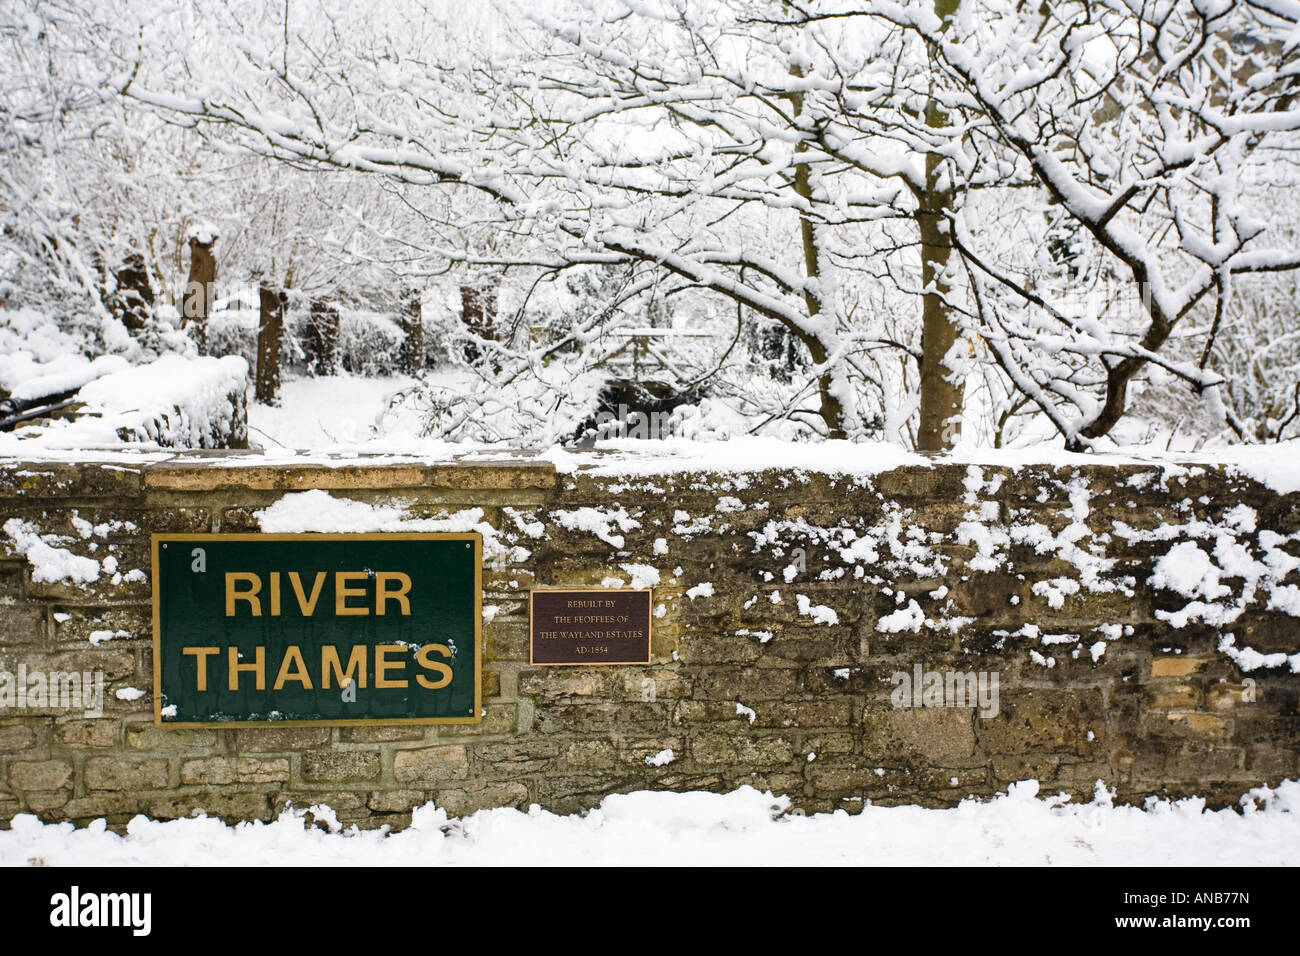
(479,312)
(831,408)
(197,302)
(413,330)
(941,398)
(269,332)
(320,340)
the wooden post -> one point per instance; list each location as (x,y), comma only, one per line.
(413,327)
(478,305)
(134,296)
(320,340)
(269,332)
(197,301)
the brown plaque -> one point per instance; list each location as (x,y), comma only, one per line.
(598,626)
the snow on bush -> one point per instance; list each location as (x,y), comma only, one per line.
(30,339)
(233,332)
(32,346)
(173,402)
(536,408)
(368,344)
(66,373)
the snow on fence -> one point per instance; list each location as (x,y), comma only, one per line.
(857,630)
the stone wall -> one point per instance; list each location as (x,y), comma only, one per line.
(786,604)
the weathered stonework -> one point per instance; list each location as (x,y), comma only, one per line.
(779,675)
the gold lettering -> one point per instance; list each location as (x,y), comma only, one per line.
(329,661)
(292,656)
(201,655)
(234,668)
(305,604)
(342,592)
(383,666)
(249,595)
(422,658)
(383,594)
(275,594)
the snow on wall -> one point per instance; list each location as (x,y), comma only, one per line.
(317,510)
(171,402)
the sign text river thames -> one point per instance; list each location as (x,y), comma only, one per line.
(333,628)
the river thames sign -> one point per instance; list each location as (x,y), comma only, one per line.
(589,627)
(255,629)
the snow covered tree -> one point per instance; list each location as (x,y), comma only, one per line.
(833,167)
(625,142)
(52,251)
(1136,123)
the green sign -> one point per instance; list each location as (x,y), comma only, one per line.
(311,628)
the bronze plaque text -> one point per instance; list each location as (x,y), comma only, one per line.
(589,627)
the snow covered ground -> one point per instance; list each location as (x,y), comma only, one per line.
(330,410)
(742,828)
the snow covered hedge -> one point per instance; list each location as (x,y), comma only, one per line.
(369,343)
(168,401)
(173,402)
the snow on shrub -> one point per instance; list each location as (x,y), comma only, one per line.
(32,345)
(173,402)
(233,332)
(369,343)
(546,406)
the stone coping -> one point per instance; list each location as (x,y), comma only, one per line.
(233,469)
(101,471)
